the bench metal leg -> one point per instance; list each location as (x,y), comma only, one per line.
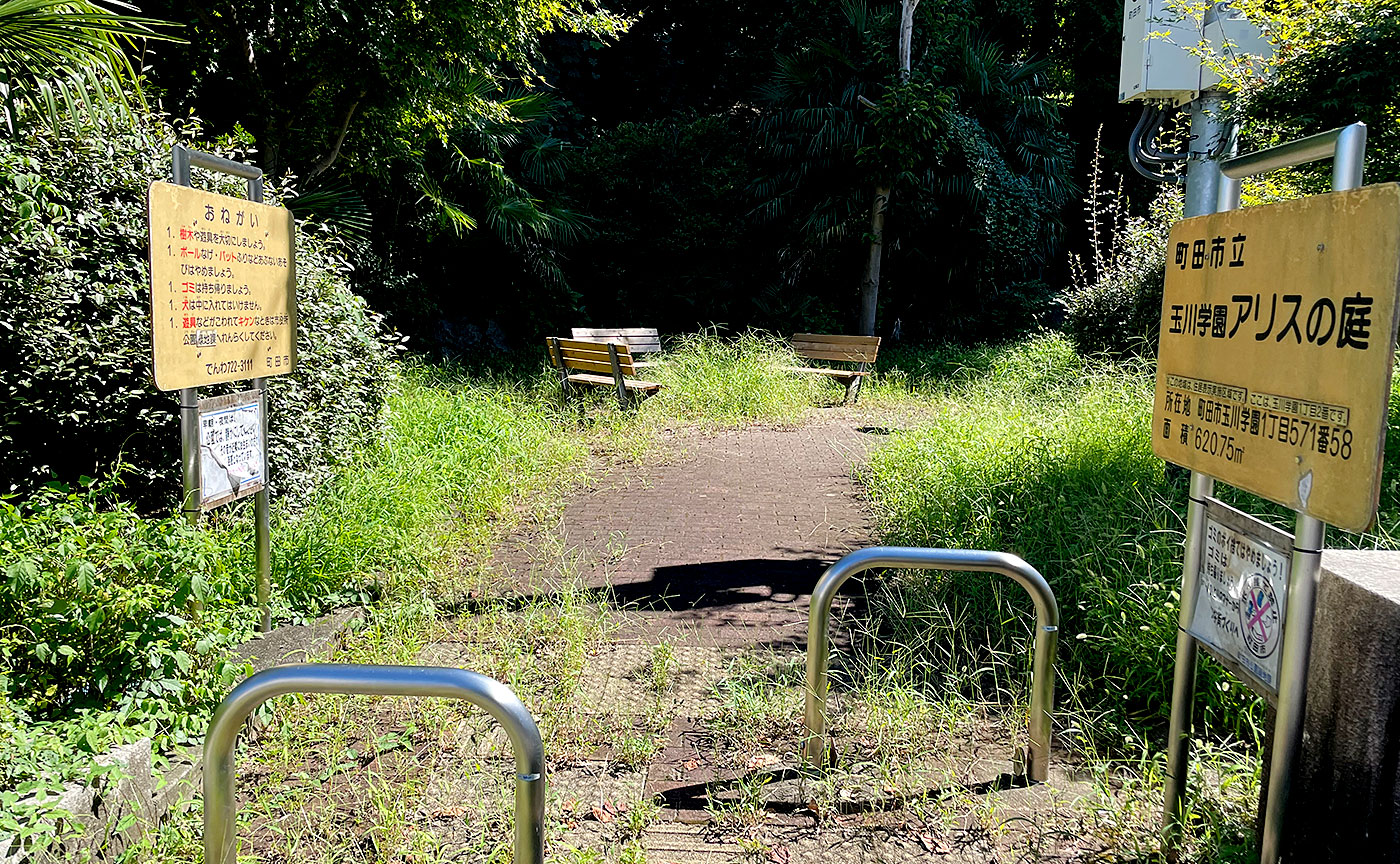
(618,380)
(853,388)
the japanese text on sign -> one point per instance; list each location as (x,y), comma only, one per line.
(232,462)
(1277,334)
(1242,589)
(223,288)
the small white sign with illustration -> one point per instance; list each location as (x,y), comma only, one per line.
(1241,593)
(231,448)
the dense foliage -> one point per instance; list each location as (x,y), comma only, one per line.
(77,393)
(1347,73)
(101,642)
(1114,306)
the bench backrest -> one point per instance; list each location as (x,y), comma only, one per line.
(641,340)
(578,355)
(850,349)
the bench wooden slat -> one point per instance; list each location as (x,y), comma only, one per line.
(639,339)
(607,381)
(581,332)
(582,361)
(590,356)
(868,341)
(848,349)
(843,355)
(842,348)
(831,373)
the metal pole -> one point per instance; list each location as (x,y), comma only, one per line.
(1184,678)
(1047,625)
(262,502)
(1211,138)
(189,454)
(1309,536)
(189,396)
(220,802)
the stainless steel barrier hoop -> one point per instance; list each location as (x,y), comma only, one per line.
(220,803)
(1047,624)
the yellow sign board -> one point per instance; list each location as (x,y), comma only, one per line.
(1276,351)
(223,288)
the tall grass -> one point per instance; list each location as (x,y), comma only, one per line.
(715,381)
(1039,451)
(1043,454)
(457,458)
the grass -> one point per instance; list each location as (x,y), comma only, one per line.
(1028,448)
(713,382)
(458,460)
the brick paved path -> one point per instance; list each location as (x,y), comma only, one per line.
(713,556)
(722,546)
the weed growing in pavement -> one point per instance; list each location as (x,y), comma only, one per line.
(741,804)
(634,749)
(662,667)
(638,818)
(632,852)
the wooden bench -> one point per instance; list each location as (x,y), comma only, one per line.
(860,350)
(599,365)
(640,340)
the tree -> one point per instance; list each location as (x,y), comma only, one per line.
(967,148)
(1348,74)
(69,57)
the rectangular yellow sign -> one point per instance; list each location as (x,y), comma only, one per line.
(223,288)
(1276,350)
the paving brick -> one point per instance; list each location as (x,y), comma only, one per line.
(724,544)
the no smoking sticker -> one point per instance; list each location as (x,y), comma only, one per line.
(1241,590)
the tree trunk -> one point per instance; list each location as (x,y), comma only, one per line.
(870,284)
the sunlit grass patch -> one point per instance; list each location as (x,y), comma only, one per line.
(711,380)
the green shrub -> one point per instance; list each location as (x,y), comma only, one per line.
(77,393)
(1115,304)
(95,600)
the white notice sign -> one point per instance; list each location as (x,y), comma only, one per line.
(231,452)
(1242,588)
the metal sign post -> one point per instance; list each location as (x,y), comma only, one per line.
(182,159)
(1314,484)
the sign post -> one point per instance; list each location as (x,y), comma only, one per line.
(1274,367)
(223,308)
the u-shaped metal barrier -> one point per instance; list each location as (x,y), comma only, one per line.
(220,804)
(1047,624)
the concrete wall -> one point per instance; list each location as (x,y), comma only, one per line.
(1344,805)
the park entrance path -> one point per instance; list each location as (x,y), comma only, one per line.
(690,713)
(721,546)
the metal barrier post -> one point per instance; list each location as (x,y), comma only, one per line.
(220,803)
(1047,624)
